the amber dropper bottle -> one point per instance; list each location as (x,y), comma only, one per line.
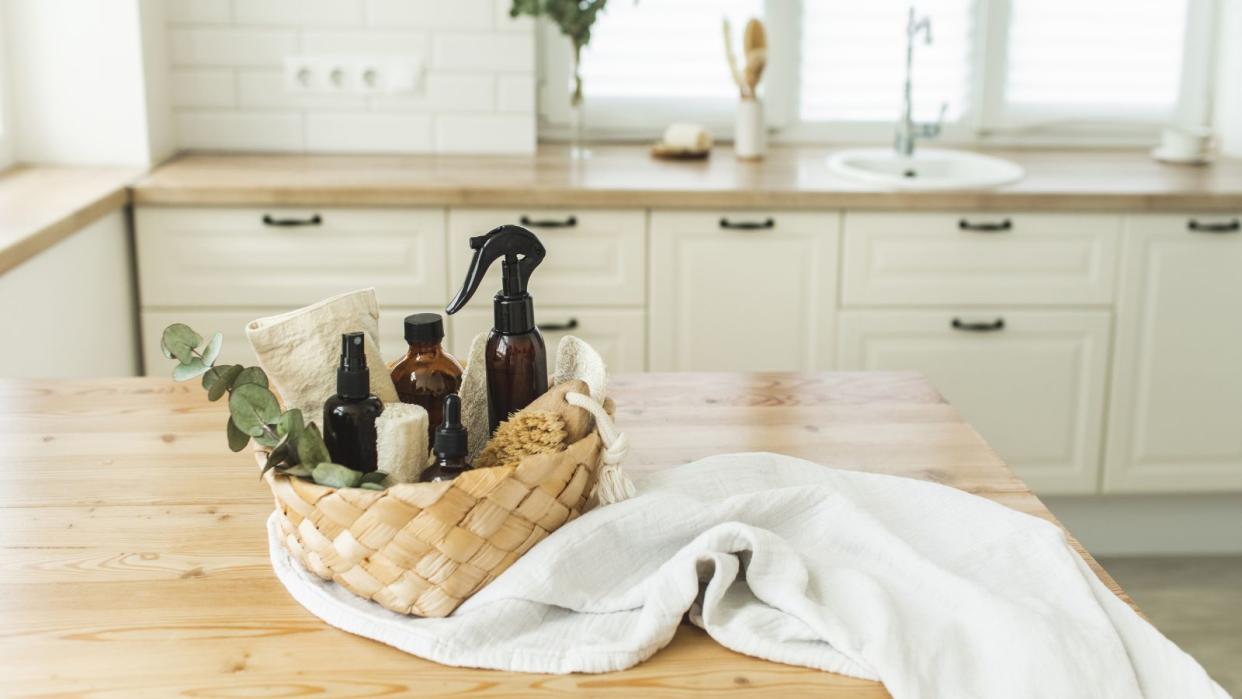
(427,373)
(450,449)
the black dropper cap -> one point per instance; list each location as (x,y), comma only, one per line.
(353,379)
(424,328)
(451,436)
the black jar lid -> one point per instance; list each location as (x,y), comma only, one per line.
(424,327)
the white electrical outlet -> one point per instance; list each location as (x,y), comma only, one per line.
(366,75)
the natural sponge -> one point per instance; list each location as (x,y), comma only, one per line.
(402,443)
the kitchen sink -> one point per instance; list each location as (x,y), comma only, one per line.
(928,168)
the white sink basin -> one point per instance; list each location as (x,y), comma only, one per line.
(928,169)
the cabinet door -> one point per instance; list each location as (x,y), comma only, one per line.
(595,257)
(284,257)
(743,291)
(620,336)
(1032,383)
(1176,409)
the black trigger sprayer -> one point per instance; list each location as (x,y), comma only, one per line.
(516,358)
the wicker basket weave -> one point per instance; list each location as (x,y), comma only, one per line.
(423,548)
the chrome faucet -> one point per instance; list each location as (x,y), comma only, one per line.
(908,132)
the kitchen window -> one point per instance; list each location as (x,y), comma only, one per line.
(6,130)
(1005,70)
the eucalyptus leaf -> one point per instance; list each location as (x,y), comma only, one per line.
(251,375)
(218,380)
(213,349)
(267,440)
(301,470)
(374,477)
(371,486)
(311,449)
(190,370)
(179,340)
(237,439)
(280,454)
(253,407)
(335,475)
(290,423)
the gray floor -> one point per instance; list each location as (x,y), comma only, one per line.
(1196,602)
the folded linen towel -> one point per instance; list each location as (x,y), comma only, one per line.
(933,591)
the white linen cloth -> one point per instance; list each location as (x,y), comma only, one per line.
(933,591)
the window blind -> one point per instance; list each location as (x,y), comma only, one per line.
(853,59)
(664,48)
(1076,58)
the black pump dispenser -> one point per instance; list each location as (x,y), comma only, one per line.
(353,379)
(517,364)
(349,416)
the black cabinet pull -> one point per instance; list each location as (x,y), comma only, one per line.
(748,225)
(558,327)
(1223,227)
(990,227)
(269,220)
(959,324)
(548,222)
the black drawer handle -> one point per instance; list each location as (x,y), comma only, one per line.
(1223,227)
(558,327)
(748,225)
(548,222)
(959,324)
(989,227)
(269,220)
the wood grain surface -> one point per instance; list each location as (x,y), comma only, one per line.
(133,556)
(627,176)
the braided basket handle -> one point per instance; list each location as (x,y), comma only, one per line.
(613,485)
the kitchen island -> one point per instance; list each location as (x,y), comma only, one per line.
(135,554)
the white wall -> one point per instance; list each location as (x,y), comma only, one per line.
(1229,78)
(227,77)
(6,111)
(75,304)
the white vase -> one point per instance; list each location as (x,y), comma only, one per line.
(750,138)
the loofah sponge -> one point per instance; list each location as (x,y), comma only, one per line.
(527,432)
(402,442)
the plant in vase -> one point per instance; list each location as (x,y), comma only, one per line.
(294,447)
(749,134)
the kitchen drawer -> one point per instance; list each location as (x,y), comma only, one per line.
(1033,388)
(232,325)
(231,257)
(927,259)
(595,258)
(620,336)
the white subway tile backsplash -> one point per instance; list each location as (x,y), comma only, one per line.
(490,51)
(265,89)
(445,92)
(485,133)
(431,14)
(367,43)
(369,133)
(515,93)
(203,88)
(299,12)
(506,22)
(231,47)
(198,11)
(257,131)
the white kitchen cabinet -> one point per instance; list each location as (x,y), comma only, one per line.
(594,257)
(1176,405)
(620,335)
(958,259)
(289,258)
(742,291)
(1031,382)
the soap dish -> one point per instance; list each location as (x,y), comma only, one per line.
(665,151)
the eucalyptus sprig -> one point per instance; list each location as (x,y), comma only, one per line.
(295,447)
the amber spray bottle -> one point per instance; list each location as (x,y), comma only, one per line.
(516,358)
(349,416)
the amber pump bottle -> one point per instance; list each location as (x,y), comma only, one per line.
(450,445)
(516,358)
(426,374)
(349,416)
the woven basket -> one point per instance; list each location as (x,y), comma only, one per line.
(424,548)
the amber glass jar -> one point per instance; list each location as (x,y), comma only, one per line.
(427,373)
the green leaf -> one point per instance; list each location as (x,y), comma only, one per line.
(335,475)
(282,453)
(213,349)
(374,477)
(267,440)
(251,375)
(300,470)
(371,486)
(253,407)
(180,341)
(311,449)
(218,380)
(290,423)
(190,370)
(237,439)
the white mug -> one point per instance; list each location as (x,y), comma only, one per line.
(1185,142)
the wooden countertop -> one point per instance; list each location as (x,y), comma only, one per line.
(41,205)
(135,556)
(626,176)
